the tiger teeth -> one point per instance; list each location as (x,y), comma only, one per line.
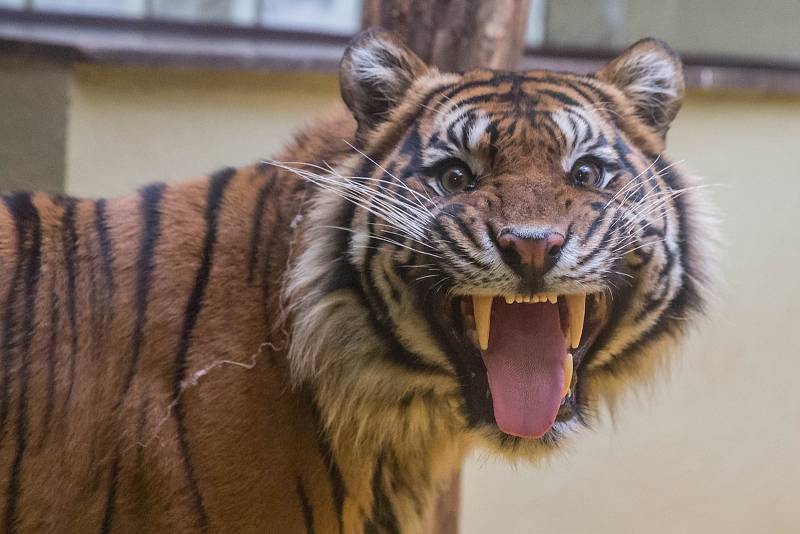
(567,374)
(552,298)
(577,312)
(482,308)
(482,311)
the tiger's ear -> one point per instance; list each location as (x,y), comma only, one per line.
(375,72)
(650,74)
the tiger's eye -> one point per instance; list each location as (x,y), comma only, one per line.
(587,172)
(456,178)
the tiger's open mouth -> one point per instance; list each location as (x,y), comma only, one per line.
(533,347)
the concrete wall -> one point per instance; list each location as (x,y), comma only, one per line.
(131,126)
(740,28)
(33,124)
(713,449)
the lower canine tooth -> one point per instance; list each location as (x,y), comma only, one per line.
(567,374)
(482,309)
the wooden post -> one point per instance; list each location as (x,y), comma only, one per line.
(454,35)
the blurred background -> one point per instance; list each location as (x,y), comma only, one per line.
(100,96)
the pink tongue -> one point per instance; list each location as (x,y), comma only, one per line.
(525,360)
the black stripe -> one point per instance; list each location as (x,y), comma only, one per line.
(559,97)
(623,150)
(151,232)
(255,232)
(337,480)
(70,241)
(455,247)
(380,318)
(96,313)
(216,192)
(52,354)
(582,91)
(28,229)
(469,368)
(491,83)
(10,316)
(342,274)
(104,284)
(689,296)
(383,517)
(106,254)
(602,246)
(455,211)
(687,299)
(111,496)
(594,226)
(385,326)
(275,236)
(308,512)
(463,117)
(151,197)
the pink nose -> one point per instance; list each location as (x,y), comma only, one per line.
(540,252)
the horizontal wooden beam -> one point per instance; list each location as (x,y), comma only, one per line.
(78,38)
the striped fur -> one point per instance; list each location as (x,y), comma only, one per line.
(279,348)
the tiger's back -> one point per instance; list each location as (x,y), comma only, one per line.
(112,312)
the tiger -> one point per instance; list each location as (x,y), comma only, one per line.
(314,343)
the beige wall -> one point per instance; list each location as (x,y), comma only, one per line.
(130,126)
(738,28)
(33,118)
(712,450)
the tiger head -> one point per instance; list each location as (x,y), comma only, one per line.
(500,250)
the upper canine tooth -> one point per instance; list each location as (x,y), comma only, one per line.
(509,300)
(552,298)
(482,309)
(577,312)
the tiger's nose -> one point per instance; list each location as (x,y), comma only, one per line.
(537,252)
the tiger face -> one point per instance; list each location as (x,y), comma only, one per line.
(516,244)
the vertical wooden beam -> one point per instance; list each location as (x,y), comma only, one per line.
(454,35)
(444,519)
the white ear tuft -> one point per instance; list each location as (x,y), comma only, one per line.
(375,72)
(650,74)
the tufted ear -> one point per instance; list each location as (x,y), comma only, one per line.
(375,72)
(650,74)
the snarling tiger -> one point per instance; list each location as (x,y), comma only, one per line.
(314,343)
